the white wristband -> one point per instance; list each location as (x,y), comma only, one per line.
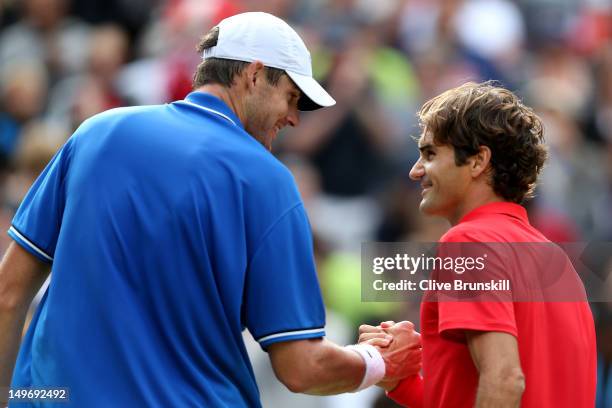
(374,364)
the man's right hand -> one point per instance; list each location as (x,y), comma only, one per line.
(403,355)
(320,367)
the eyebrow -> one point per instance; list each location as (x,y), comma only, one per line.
(426,147)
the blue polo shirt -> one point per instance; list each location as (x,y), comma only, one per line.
(169,230)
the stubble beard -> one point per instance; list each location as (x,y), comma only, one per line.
(257,118)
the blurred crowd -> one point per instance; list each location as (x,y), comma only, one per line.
(63,61)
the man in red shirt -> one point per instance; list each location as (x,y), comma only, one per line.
(481,152)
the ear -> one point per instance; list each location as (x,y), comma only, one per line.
(254,73)
(480,162)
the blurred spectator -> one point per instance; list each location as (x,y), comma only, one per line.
(166,50)
(355,132)
(572,181)
(561,88)
(560,81)
(548,22)
(45,34)
(23,91)
(603,106)
(492,29)
(428,34)
(37,145)
(491,34)
(132,15)
(280,8)
(96,89)
(603,205)
(8,13)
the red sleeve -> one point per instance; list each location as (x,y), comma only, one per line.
(455,317)
(485,310)
(409,392)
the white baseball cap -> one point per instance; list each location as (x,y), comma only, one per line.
(258,36)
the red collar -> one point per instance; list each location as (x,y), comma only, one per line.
(501,207)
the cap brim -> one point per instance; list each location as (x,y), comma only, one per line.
(313,95)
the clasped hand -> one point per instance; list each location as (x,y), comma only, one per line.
(400,347)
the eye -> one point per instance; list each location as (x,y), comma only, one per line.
(293,97)
(428,154)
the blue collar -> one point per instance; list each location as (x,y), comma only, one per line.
(214,105)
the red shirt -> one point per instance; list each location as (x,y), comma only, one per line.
(556,340)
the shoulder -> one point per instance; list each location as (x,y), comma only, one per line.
(268,174)
(269,187)
(234,158)
(249,158)
(279,172)
(125,112)
(118,115)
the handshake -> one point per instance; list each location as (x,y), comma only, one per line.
(400,347)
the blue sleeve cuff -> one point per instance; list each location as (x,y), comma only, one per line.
(266,341)
(28,245)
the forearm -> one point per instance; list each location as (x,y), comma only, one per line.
(11,326)
(503,390)
(21,276)
(320,367)
(316,366)
(501,382)
(331,370)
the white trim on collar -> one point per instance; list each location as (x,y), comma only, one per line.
(224,116)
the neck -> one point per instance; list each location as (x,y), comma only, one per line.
(472,201)
(226,95)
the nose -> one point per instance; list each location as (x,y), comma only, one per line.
(417,172)
(293,118)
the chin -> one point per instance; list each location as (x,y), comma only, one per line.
(263,139)
(427,207)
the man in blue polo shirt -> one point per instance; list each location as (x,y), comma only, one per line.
(169,230)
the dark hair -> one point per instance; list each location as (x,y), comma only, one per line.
(482,114)
(222,71)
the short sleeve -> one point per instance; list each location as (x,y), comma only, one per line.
(477,309)
(37,222)
(282,295)
(455,317)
